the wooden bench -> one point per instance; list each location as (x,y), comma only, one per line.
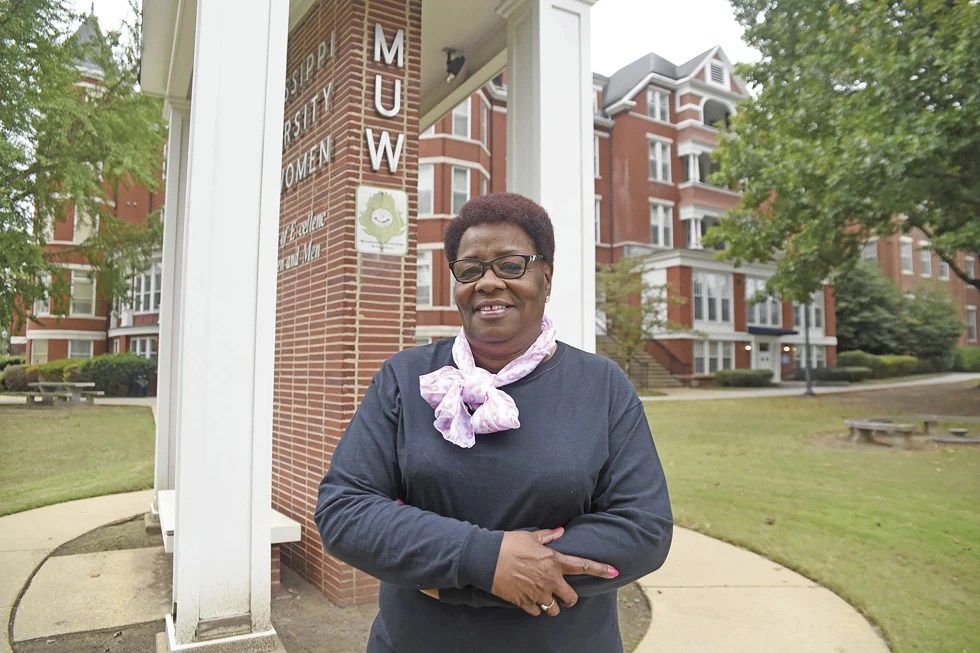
(865,430)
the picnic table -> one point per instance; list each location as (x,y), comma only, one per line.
(70,393)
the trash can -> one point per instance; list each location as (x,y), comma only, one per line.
(140,385)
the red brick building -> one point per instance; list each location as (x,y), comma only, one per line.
(907,261)
(83,324)
(655,126)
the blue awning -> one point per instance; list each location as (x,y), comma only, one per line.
(771,331)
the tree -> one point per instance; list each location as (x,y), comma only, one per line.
(867,308)
(865,111)
(68,146)
(634,309)
(932,326)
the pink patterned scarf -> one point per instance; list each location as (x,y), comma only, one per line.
(451,391)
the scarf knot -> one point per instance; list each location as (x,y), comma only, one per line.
(467,399)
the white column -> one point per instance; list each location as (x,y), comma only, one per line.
(169,341)
(227,328)
(550,145)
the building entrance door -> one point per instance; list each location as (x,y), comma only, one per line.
(766,359)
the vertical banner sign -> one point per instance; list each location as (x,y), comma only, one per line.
(382,214)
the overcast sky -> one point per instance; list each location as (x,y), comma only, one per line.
(622,30)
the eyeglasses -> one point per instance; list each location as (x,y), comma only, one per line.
(511,266)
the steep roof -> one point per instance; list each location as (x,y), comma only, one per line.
(625,80)
(86,37)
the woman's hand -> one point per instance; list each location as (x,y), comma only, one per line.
(531,576)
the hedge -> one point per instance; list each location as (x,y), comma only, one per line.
(851,374)
(890,366)
(6,361)
(744,378)
(857,358)
(56,370)
(966,359)
(115,374)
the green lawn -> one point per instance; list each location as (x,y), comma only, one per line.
(49,454)
(896,533)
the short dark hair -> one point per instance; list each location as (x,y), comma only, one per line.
(502,207)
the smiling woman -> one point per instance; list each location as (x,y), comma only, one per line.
(501,477)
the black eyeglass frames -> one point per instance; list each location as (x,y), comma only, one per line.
(509,266)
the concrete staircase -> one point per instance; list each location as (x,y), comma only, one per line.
(646,371)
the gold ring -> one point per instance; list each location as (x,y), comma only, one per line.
(549,606)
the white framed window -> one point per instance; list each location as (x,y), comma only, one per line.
(83,227)
(595,156)
(426,188)
(818,355)
(452,290)
(925,258)
(971,323)
(39,352)
(598,204)
(461,119)
(423,278)
(906,254)
(115,345)
(461,188)
(712,297)
(869,250)
(661,225)
(147,289)
(42,305)
(713,355)
(943,270)
(484,184)
(82,293)
(717,73)
(80,348)
(761,308)
(659,161)
(430,130)
(657,104)
(596,94)
(484,124)
(145,347)
(816,312)
(968,267)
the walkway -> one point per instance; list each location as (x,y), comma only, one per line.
(710,596)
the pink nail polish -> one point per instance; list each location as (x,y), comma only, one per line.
(613,572)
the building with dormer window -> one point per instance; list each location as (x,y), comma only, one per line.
(656,125)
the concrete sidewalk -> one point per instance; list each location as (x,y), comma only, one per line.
(710,596)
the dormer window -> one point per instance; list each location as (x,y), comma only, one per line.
(717,73)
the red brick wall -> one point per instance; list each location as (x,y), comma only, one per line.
(340,315)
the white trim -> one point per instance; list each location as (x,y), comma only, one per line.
(432,246)
(436,330)
(657,137)
(66,334)
(464,163)
(145,330)
(460,139)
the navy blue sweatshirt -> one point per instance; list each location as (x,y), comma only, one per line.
(583,458)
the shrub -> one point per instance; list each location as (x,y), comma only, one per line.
(890,366)
(851,374)
(942,363)
(57,370)
(744,378)
(966,359)
(857,358)
(6,361)
(15,378)
(115,374)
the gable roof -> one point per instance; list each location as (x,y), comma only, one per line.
(626,81)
